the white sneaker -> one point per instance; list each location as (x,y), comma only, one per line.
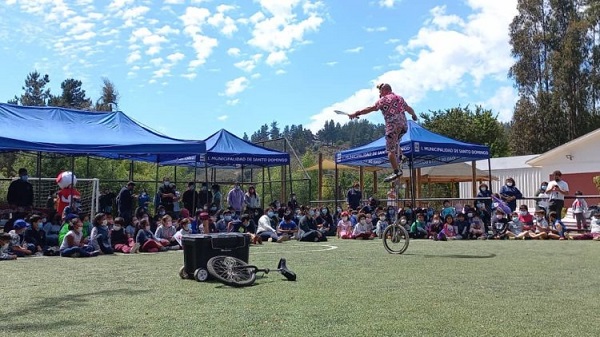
(393,176)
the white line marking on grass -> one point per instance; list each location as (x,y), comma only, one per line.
(324,249)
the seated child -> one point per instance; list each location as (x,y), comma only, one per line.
(447,232)
(594,233)
(499,225)
(100,235)
(145,241)
(515,228)
(382,224)
(287,229)
(477,229)
(448,210)
(360,230)
(541,229)
(18,246)
(461,226)
(418,229)
(344,227)
(435,227)
(120,238)
(558,231)
(52,230)
(165,233)
(74,244)
(5,254)
(525,218)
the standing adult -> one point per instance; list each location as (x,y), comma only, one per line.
(354,196)
(556,191)
(252,201)
(166,195)
(235,198)
(509,193)
(217,196)
(20,193)
(205,196)
(125,202)
(392,107)
(190,198)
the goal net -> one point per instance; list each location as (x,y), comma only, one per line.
(44,194)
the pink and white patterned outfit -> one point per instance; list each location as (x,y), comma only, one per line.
(392,107)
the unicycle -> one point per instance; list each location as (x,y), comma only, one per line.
(237,273)
(395,239)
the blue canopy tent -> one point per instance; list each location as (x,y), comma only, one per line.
(226,150)
(422,147)
(75,132)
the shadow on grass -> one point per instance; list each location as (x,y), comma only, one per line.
(462,256)
(68,302)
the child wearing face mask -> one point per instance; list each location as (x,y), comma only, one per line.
(594,233)
(448,210)
(344,227)
(435,227)
(448,232)
(74,243)
(418,228)
(499,225)
(579,208)
(515,228)
(360,230)
(382,224)
(184,229)
(525,218)
(99,237)
(266,226)
(165,233)
(541,226)
(121,240)
(145,241)
(477,229)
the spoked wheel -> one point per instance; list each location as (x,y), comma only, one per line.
(231,271)
(395,239)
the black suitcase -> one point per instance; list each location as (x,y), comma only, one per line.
(199,248)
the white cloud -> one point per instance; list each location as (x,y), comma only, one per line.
(233,102)
(235,52)
(193,20)
(354,50)
(280,72)
(277,57)
(502,103)
(133,57)
(176,57)
(174,2)
(189,76)
(375,29)
(131,15)
(388,3)
(448,54)
(222,118)
(236,86)
(332,63)
(116,5)
(248,65)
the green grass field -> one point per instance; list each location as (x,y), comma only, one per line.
(475,288)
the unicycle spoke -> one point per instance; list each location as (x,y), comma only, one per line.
(231,271)
(395,239)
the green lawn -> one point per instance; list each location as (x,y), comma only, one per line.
(475,288)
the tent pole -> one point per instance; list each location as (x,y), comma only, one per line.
(361,178)
(38,172)
(335,188)
(490,173)
(270,182)
(206,181)
(263,187)
(72,181)
(156,188)
(131,167)
(320,180)
(194,200)
(291,180)
(175,175)
(374,182)
(474,176)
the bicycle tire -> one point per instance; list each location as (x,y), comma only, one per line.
(231,271)
(395,235)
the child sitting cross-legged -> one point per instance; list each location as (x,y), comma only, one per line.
(360,231)
(477,229)
(541,229)
(499,225)
(120,239)
(74,244)
(344,227)
(447,232)
(145,241)
(418,229)
(515,228)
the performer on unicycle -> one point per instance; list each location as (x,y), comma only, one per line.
(392,107)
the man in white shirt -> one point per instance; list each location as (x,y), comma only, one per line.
(556,191)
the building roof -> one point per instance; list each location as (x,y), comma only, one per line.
(593,136)
(505,163)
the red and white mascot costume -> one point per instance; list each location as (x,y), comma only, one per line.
(66,181)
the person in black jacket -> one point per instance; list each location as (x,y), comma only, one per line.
(190,198)
(354,196)
(20,192)
(125,202)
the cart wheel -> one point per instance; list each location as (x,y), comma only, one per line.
(201,275)
(183,274)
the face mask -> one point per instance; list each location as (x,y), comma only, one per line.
(40,225)
(483,189)
(213,209)
(161,212)
(116,228)
(403,221)
(293,198)
(104,222)
(344,218)
(523,212)
(298,212)
(148,228)
(227,218)
(270,214)
(237,187)
(499,216)
(324,211)
(43,221)
(515,219)
(186,227)
(544,187)
(78,230)
(436,221)
(169,224)
(25,178)
(339,210)
(363,222)
(479,205)
(167,183)
(277,205)
(381,218)
(509,184)
(470,215)
(311,213)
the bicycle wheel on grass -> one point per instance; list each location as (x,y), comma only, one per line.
(231,271)
(395,239)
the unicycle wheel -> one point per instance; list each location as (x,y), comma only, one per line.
(231,271)
(395,239)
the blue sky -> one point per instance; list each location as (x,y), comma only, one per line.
(188,68)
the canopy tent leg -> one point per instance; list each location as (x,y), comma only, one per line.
(175,175)
(206,181)
(194,200)
(489,174)
(474,180)
(335,188)
(38,172)
(72,181)
(291,180)
(375,183)
(131,168)
(263,187)
(156,199)
(270,181)
(361,178)
(320,178)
